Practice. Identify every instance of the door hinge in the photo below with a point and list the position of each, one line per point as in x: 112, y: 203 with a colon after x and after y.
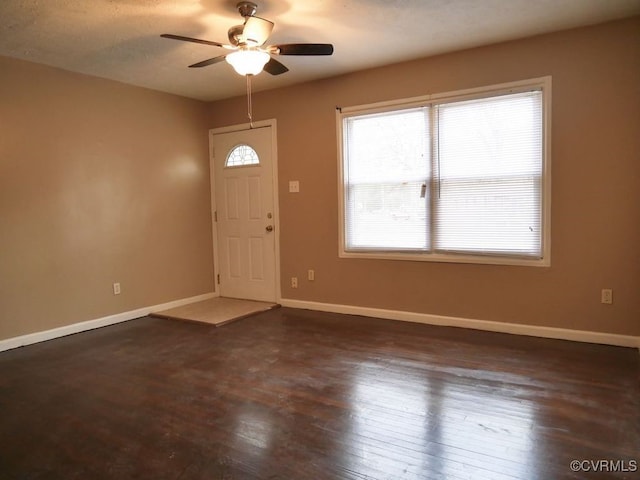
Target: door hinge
x: 218, y: 278
x: 215, y: 216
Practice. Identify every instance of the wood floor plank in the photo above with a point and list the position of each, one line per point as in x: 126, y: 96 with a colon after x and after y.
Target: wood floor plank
x: 293, y: 394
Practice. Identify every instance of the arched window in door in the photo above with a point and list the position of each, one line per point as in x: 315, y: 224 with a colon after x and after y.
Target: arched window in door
x: 241, y: 156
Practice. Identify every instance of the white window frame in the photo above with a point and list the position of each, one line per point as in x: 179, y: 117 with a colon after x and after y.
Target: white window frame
x: 543, y: 84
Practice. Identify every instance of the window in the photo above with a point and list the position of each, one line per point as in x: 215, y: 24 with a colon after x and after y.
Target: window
x: 458, y: 177
x: 241, y: 156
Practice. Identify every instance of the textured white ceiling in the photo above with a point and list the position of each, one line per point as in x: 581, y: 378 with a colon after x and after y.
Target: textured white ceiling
x: 120, y: 39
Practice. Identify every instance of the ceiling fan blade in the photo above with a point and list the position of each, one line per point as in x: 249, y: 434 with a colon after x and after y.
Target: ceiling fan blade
x: 305, y: 49
x: 208, y: 62
x: 257, y: 30
x: 189, y: 39
x: 274, y: 67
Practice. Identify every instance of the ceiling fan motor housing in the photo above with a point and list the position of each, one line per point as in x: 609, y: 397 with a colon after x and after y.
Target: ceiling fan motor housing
x: 235, y: 35
x: 246, y: 10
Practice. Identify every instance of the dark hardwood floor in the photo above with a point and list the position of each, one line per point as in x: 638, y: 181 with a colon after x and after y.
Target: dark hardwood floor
x: 293, y: 394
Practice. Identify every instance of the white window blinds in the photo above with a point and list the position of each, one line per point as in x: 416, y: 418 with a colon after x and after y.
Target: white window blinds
x: 387, y: 165
x: 490, y: 175
x: 457, y: 177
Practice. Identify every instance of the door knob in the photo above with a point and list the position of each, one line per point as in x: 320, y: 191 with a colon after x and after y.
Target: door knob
x: 269, y: 228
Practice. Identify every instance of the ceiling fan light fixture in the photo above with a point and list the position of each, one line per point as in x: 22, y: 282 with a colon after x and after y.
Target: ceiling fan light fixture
x: 248, y: 62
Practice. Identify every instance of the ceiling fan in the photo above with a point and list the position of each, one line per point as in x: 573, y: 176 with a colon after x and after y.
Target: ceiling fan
x: 249, y: 54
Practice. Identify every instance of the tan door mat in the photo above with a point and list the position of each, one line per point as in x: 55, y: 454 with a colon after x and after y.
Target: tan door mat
x: 217, y: 311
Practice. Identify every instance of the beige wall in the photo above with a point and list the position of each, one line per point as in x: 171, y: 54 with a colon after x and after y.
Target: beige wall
x: 103, y: 182
x: 595, y: 182
x: 99, y: 182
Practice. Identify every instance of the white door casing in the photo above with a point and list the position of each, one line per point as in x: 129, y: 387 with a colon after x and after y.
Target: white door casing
x: 244, y: 203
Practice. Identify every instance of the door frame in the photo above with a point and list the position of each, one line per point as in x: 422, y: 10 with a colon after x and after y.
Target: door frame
x: 271, y: 123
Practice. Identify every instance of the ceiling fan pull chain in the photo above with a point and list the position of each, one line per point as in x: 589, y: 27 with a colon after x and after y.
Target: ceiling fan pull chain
x: 249, y: 106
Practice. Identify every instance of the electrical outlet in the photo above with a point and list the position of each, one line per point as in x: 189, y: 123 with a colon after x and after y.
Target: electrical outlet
x: 294, y: 186
x: 294, y: 282
x: 116, y: 288
x: 606, y: 296
x: 311, y: 275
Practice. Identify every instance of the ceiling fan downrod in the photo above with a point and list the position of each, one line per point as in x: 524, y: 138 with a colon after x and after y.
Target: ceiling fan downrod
x: 247, y: 9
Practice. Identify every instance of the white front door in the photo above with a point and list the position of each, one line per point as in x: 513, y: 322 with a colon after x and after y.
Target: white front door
x: 244, y: 202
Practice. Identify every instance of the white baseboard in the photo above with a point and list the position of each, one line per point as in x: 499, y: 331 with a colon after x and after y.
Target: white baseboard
x: 488, y: 325
x: 36, y: 337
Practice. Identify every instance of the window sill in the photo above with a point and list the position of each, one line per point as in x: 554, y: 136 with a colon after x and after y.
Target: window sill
x: 447, y: 258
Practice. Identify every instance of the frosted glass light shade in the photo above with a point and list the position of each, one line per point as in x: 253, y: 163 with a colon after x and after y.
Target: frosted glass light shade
x: 248, y: 62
